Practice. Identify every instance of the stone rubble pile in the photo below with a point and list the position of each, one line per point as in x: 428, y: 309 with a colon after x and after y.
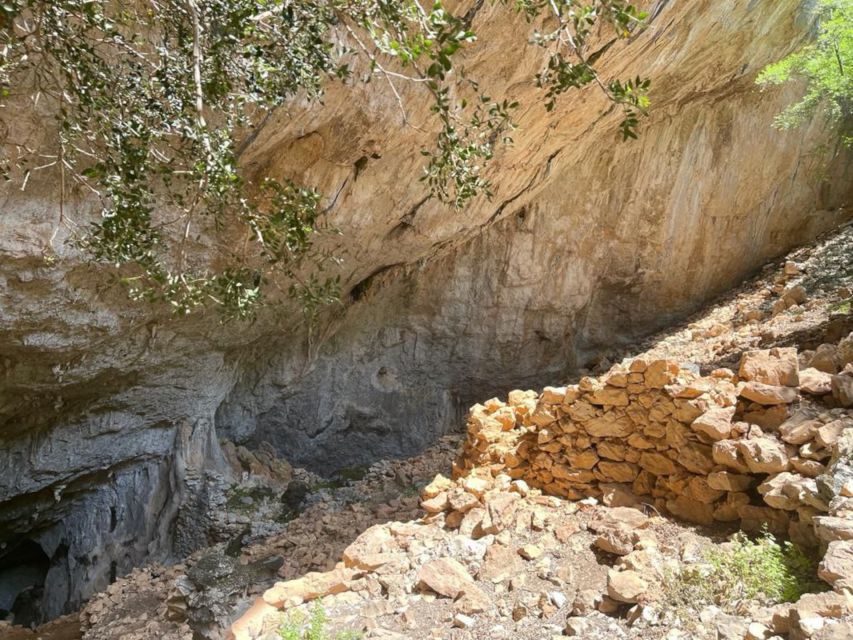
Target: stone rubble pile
x: 763, y: 447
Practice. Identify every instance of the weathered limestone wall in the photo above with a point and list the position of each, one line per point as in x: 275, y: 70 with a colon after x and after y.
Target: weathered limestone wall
x: 587, y: 244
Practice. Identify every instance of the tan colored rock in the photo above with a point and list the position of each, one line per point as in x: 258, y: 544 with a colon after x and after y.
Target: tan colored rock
x: 309, y: 587
x: 716, y: 423
x: 727, y: 510
x: 764, y: 455
x: 617, y: 471
x: 543, y: 416
x: 554, y: 395
x: 500, y: 563
x: 700, y: 490
x: 727, y: 453
x: 769, y: 418
x: 657, y: 464
x: 506, y: 417
x: 826, y: 359
x: 445, y: 576
x: 638, y: 365
x: 799, y: 429
x: 826, y: 605
x: 696, y: 457
x: 814, y: 382
x: 691, y: 510
x: 842, y: 388
x: 583, y: 459
x: 618, y: 495
x: 581, y: 410
x: 362, y: 552
x: 609, y: 396
x: 626, y: 586
x: 828, y: 434
x: 437, y: 504
x: 611, y: 450
x: 439, y: 484
x: 831, y: 528
x: 618, y: 377
x: 476, y: 486
x: 638, y: 441
x: 254, y: 623
x: 808, y: 468
x: 619, y: 518
x: 579, y: 476
x: 776, y: 493
x: 473, y: 600
x: 778, y: 367
x: 610, y: 425
x: 462, y: 501
x: 727, y: 481
x: 618, y: 541
x: 530, y: 551
x: 766, y: 394
x: 837, y: 563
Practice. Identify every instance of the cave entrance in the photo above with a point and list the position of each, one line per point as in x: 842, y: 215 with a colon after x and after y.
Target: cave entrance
x: 23, y: 569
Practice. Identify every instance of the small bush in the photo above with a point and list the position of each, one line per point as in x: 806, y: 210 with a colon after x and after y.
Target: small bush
x: 744, y: 570
x: 301, y: 627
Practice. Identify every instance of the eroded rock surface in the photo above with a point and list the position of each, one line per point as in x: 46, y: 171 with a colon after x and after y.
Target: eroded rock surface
x: 109, y: 414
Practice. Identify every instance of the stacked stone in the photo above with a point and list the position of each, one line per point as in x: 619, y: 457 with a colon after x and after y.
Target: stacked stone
x: 725, y: 447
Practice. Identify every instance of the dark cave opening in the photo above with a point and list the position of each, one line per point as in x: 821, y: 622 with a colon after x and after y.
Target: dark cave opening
x: 23, y: 569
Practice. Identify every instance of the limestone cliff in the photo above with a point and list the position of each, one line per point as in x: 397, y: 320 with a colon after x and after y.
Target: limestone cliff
x: 109, y: 413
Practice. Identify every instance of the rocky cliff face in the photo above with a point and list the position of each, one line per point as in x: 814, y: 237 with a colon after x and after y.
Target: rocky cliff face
x: 109, y: 414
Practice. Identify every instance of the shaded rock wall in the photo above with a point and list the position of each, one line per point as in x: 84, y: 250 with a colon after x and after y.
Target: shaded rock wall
x: 586, y: 244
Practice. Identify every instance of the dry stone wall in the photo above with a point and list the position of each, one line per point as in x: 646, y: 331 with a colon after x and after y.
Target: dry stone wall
x: 750, y: 447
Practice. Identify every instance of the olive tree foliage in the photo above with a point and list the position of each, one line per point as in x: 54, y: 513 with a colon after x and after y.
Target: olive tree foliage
x: 154, y: 101
x: 826, y: 67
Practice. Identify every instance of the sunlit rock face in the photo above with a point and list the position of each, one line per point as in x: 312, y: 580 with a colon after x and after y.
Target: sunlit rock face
x: 110, y: 412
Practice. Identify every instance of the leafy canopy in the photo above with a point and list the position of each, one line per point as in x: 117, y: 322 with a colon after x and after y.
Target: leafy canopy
x: 155, y: 101
x: 826, y: 66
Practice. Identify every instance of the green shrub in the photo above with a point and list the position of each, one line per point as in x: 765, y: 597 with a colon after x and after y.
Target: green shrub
x: 825, y: 66
x: 300, y: 627
x: 745, y: 570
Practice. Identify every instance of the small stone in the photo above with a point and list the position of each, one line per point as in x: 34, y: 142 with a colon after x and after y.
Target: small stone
x: 828, y: 435
x: 766, y: 394
x: 586, y: 602
x: 473, y: 600
x: 777, y: 366
x: 716, y: 423
x: 626, y: 586
x: 438, y: 485
x: 557, y: 598
x: 619, y: 542
x: 814, y: 382
x: 799, y: 429
x: 462, y: 621
x: 726, y: 481
x: 837, y: 563
x: 437, y: 504
x: 757, y: 631
x: 445, y: 576
x: 764, y: 455
x: 730, y: 627
x: 530, y: 551
x: 842, y: 389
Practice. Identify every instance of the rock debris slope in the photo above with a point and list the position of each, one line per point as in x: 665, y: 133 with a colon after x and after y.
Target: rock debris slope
x: 500, y: 553
x: 110, y: 416
x: 552, y: 525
